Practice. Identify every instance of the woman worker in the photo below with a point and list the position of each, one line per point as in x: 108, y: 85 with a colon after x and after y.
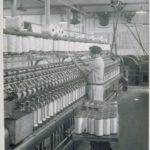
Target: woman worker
x: 94, y: 73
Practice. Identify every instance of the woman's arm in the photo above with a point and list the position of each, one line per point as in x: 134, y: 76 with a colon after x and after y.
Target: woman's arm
x: 82, y: 69
x: 83, y: 62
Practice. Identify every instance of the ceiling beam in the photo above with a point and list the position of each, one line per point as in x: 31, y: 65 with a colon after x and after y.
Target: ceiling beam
x: 64, y: 3
x: 61, y: 9
x: 106, y: 4
x: 82, y: 6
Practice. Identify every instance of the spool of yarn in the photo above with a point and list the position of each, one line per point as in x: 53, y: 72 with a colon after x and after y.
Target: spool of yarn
x: 19, y: 45
x: 5, y: 48
x: 62, y: 42
x: 105, y: 46
x: 85, y: 123
x: 85, y: 47
x: 105, y: 40
x: 35, y: 118
x: 11, y: 43
x: 78, y: 123
x: 15, y: 23
x: 62, y: 45
x: 61, y: 32
x: 72, y: 34
x: 113, y: 125
x: 82, y: 36
x: 25, y: 44
x: 78, y: 46
x: 75, y: 46
x: 101, y: 38
x: 77, y: 36
x: 65, y: 34
x: 68, y: 59
x: 31, y: 43
x: 37, y: 44
x: 40, y: 44
x: 66, y: 45
x: 52, y: 30
x: 98, y: 125
x: 46, y: 45
x: 71, y: 46
x: 56, y: 30
x: 59, y: 45
x: 44, y: 29
x: 106, y: 125
x: 82, y: 46
x: 50, y: 44
x: 55, y: 45
x: 91, y: 119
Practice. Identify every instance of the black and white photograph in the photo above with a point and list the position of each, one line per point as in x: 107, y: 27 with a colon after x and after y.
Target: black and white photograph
x: 75, y: 74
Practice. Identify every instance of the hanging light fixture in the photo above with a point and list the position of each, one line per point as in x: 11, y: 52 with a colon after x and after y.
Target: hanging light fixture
x: 75, y: 17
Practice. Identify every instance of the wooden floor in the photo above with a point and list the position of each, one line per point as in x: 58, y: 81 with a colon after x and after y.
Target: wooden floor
x: 133, y: 115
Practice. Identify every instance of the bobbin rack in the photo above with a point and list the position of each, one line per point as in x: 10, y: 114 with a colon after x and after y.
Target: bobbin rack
x: 43, y: 93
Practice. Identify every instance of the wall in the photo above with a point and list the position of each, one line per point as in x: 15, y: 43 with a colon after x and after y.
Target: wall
x: 125, y: 41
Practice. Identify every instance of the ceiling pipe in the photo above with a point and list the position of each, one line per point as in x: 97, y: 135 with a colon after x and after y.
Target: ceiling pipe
x: 72, y: 7
x: 107, y: 4
x: 13, y: 8
x: 87, y: 9
x: 63, y: 3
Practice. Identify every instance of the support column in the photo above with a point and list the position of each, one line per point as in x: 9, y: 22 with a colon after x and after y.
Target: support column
x: 83, y: 24
x: 68, y: 20
x: 47, y: 12
x: 13, y: 8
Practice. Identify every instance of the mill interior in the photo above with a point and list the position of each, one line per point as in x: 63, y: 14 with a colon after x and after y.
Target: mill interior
x: 50, y: 101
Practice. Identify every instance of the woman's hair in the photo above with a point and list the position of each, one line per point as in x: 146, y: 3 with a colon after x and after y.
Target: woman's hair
x: 95, y: 50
